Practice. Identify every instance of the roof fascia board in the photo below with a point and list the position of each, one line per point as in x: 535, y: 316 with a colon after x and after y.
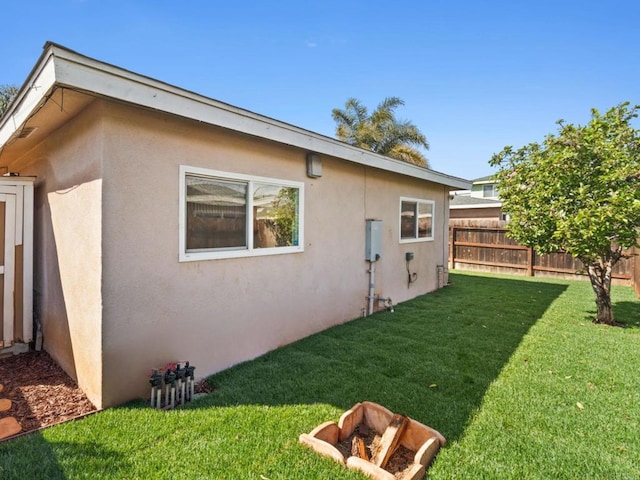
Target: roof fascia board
x: 476, y: 205
x: 485, y: 182
x: 29, y: 98
x: 79, y: 72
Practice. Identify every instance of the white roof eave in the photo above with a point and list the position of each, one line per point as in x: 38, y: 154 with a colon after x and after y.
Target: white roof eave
x: 476, y: 205
x: 59, y: 66
x: 29, y: 98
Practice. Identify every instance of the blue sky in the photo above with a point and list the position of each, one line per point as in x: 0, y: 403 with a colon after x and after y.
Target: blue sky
x: 475, y: 75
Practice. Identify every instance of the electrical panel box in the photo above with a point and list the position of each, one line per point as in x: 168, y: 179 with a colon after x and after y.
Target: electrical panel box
x: 373, y: 243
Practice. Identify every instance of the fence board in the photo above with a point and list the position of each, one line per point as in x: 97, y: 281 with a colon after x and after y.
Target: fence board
x: 487, y: 247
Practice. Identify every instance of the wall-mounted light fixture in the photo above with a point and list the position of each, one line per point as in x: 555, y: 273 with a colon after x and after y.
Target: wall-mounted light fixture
x: 314, y: 165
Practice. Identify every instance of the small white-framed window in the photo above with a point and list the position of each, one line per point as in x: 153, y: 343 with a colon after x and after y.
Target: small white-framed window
x: 416, y: 220
x: 228, y: 215
x: 489, y: 190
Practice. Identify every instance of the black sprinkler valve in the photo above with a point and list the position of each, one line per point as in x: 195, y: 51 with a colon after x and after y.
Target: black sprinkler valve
x: 156, y: 378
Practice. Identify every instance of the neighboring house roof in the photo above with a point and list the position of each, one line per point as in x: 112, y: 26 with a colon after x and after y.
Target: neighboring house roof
x: 466, y: 201
x: 31, y: 116
x: 484, y: 180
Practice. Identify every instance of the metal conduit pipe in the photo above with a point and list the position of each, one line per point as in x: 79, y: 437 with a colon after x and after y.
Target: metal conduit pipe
x: 372, y: 282
x: 388, y: 303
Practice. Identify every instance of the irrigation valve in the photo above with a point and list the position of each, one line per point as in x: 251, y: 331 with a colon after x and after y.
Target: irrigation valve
x: 181, y: 373
x: 156, y: 387
x: 170, y: 387
x: 190, y: 381
x: 178, y: 382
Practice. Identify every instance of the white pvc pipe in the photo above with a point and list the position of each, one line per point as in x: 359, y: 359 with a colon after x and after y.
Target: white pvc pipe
x: 372, y: 276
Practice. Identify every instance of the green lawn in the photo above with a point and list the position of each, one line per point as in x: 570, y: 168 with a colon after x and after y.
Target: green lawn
x: 509, y: 369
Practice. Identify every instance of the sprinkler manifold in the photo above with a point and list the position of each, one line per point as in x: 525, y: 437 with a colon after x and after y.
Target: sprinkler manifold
x: 178, y: 382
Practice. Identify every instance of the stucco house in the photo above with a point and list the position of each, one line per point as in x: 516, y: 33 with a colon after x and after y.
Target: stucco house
x: 169, y: 226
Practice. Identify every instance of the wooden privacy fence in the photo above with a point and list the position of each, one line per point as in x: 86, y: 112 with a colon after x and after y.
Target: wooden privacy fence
x: 489, y: 249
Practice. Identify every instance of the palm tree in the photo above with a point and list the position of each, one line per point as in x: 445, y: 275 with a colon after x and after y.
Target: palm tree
x: 380, y: 132
x: 7, y: 92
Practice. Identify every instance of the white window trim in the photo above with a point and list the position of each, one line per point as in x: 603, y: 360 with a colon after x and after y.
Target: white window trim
x: 185, y: 256
x: 433, y: 223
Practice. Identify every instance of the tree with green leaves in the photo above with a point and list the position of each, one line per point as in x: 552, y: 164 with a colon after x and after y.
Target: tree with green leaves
x: 381, y: 131
x: 579, y: 192
x: 285, y: 217
x: 7, y: 92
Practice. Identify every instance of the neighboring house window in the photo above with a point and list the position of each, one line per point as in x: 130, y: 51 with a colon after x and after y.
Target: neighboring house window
x: 489, y: 191
x: 226, y: 215
x: 416, y: 220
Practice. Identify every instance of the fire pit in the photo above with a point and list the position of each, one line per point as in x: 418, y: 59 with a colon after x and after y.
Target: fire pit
x: 370, y: 438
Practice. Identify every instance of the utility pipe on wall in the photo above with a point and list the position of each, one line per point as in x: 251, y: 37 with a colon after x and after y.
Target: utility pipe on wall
x: 372, y: 282
x: 372, y: 298
x: 388, y: 303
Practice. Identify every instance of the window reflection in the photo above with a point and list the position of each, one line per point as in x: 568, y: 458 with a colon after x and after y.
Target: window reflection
x: 216, y: 213
x: 275, y: 216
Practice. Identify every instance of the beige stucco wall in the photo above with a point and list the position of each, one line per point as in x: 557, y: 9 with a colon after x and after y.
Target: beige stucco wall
x: 217, y: 313
x: 116, y: 302
x: 67, y: 245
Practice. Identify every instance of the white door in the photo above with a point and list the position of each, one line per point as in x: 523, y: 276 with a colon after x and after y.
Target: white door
x: 7, y: 267
x: 16, y: 262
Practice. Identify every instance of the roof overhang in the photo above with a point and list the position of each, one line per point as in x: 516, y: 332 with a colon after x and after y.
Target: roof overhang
x: 476, y: 205
x: 485, y: 180
x: 66, y: 81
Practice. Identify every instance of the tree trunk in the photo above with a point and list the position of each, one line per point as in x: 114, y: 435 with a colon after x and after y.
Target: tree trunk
x: 600, y: 276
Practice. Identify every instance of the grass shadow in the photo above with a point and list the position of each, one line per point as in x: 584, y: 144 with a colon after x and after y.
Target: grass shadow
x: 41, y: 458
x: 627, y: 313
x: 433, y: 359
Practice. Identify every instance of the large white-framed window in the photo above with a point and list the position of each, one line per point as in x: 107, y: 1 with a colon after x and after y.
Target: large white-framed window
x: 228, y: 215
x: 416, y: 220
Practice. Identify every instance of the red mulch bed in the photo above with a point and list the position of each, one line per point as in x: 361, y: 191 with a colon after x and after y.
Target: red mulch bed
x: 42, y: 394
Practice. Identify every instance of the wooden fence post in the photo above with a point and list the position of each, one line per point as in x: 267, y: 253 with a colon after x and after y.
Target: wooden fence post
x: 452, y: 248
